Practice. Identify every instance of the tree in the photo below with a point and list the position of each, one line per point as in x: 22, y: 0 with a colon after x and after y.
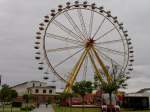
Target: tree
x: 7, y: 94
x: 13, y: 95
x: 27, y: 98
x: 82, y: 88
x: 4, y: 94
x: 116, y: 83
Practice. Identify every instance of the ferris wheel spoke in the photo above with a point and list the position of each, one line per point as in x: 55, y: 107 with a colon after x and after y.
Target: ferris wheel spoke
x: 112, y: 51
x: 82, y: 22
x: 67, y: 30
x: 63, y: 48
x: 74, y: 25
x: 107, y: 58
x: 91, y: 24
x: 99, y: 27
x: 66, y: 59
x: 111, y: 42
x: 65, y: 39
x: 109, y: 31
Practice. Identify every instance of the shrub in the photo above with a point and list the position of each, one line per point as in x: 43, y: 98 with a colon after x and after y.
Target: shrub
x: 27, y: 108
x: 16, y: 104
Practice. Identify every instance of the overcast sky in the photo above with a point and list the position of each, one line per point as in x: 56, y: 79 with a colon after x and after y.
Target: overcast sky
x: 19, y: 21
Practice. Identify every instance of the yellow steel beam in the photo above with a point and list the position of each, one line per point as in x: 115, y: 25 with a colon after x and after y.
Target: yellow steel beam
x: 75, y: 71
x: 108, y: 76
x: 95, y: 67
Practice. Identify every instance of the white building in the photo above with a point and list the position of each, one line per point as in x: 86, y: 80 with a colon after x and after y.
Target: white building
x: 34, y: 87
x: 41, y: 91
x: 141, y: 93
x: 145, y: 92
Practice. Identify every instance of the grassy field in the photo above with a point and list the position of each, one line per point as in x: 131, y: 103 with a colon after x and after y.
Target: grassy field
x: 8, y: 109
x: 67, y: 109
x: 135, y: 111
x: 13, y: 110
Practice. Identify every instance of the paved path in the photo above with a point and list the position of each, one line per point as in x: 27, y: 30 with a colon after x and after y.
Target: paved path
x: 42, y: 108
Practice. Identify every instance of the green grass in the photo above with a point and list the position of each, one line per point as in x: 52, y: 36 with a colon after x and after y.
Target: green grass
x: 68, y: 109
x: 8, y: 109
x: 135, y: 111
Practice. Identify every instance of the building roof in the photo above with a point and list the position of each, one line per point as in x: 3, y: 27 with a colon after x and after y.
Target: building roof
x: 26, y: 83
x: 136, y: 95
x: 143, y: 90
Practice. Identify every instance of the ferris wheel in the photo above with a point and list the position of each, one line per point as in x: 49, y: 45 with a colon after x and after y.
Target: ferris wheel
x: 79, y: 40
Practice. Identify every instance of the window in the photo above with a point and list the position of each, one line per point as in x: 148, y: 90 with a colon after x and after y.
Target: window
x: 44, y: 91
x: 36, y: 91
x: 50, y: 91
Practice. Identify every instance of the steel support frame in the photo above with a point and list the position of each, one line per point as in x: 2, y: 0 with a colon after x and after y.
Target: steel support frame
x: 77, y: 67
x: 106, y: 73
x: 75, y: 71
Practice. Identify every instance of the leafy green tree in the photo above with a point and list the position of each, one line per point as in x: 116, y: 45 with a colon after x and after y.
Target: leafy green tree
x: 7, y: 95
x: 13, y: 95
x: 82, y: 88
x: 115, y: 84
x: 4, y: 94
x: 27, y: 98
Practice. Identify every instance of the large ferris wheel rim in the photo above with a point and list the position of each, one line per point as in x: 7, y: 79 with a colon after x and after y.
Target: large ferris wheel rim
x: 72, y: 7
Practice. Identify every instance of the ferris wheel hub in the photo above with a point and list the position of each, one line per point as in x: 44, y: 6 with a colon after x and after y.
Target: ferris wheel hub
x: 89, y: 42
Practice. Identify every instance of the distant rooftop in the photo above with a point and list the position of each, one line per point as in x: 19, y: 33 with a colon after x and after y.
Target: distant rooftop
x: 143, y: 90
x: 32, y: 81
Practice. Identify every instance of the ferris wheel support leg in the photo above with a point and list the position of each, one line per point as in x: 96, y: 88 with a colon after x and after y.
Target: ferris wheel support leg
x: 108, y: 76
x: 75, y: 71
x: 95, y: 67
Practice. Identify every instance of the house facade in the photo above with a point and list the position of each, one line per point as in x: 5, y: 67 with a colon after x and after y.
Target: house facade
x: 40, y: 91
x: 42, y: 94
x: 23, y: 87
